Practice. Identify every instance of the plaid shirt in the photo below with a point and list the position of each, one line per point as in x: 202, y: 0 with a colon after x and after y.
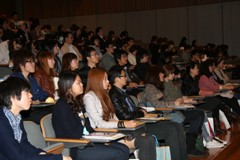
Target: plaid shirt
x: 15, y: 123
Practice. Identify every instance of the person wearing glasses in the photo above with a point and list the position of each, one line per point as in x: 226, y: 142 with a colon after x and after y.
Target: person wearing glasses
x: 92, y: 59
x: 24, y: 67
x: 172, y: 133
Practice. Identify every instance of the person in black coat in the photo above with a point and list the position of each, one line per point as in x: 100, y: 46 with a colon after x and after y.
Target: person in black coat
x: 70, y: 120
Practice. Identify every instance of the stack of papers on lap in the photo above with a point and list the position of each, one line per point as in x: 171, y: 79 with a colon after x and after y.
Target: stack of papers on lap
x: 103, y: 136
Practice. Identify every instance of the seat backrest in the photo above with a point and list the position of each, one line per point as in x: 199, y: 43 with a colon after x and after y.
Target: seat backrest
x: 46, y: 126
x: 139, y: 96
x: 135, y: 100
x: 4, y: 71
x: 34, y: 134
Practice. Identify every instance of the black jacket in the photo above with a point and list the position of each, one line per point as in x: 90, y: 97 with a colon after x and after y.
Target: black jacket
x: 122, y: 109
x: 65, y: 123
x: 190, y: 86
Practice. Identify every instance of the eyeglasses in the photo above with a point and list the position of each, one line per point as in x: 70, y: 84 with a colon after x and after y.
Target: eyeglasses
x: 94, y: 55
x: 30, y: 61
x: 122, y: 76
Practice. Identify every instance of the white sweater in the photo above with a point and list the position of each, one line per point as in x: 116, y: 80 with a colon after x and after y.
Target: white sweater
x: 94, y: 110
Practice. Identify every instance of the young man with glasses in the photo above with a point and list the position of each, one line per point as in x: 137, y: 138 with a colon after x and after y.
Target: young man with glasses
x: 126, y: 109
x: 108, y: 60
x: 92, y: 61
x: 24, y: 67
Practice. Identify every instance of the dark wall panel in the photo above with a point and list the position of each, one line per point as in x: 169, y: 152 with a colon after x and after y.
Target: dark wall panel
x: 7, y: 7
x: 69, y: 8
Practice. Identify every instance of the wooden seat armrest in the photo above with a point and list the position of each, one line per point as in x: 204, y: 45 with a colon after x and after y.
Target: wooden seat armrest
x: 67, y: 140
x: 56, y: 150
x: 163, y: 109
x: 114, y: 130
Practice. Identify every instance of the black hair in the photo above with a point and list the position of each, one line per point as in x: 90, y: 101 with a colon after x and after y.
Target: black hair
x: 11, y: 88
x: 66, y: 80
x: 108, y: 43
x: 93, y: 38
x: 152, y: 77
x: 134, y: 48
x: 140, y: 54
x: 118, y: 54
x: 124, y: 33
x: 194, y: 52
x: 49, y: 45
x: 219, y: 60
x: 20, y: 57
x: 190, y: 66
x: 114, y: 72
x: 204, y: 67
x: 89, y: 33
x: 154, y: 38
x: 65, y: 35
x: 129, y: 39
x: 88, y: 50
x: 19, y: 41
x: 97, y: 30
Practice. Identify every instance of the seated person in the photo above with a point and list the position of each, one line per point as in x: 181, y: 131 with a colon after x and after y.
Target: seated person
x: 7, y: 49
x: 190, y: 88
x: 153, y: 95
x: 24, y: 67
x: 210, y: 86
x: 45, y: 72
x: 219, y: 75
x: 142, y: 67
x: 70, y: 120
x: 108, y: 60
x: 15, y: 97
x: 126, y: 109
x: 92, y: 61
x: 102, y: 114
x: 121, y: 59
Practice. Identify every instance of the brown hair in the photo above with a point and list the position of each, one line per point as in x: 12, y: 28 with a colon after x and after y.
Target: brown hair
x: 95, y: 84
x: 66, y: 61
x: 43, y: 62
x: 152, y: 77
x: 168, y: 69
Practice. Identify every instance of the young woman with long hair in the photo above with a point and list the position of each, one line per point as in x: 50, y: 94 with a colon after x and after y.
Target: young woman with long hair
x: 155, y: 96
x: 102, y: 113
x: 208, y: 84
x: 45, y: 72
x: 70, y: 120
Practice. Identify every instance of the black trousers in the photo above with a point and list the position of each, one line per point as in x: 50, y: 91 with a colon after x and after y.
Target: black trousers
x: 232, y: 103
x: 174, y: 136
x: 195, y: 118
x: 211, y: 104
x: 114, y: 151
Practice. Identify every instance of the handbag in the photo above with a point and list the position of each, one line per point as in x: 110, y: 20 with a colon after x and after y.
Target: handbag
x: 162, y: 152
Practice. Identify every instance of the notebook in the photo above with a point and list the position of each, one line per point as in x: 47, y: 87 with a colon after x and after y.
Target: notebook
x: 103, y: 136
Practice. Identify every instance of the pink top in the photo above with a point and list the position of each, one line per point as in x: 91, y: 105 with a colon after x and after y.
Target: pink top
x: 208, y: 84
